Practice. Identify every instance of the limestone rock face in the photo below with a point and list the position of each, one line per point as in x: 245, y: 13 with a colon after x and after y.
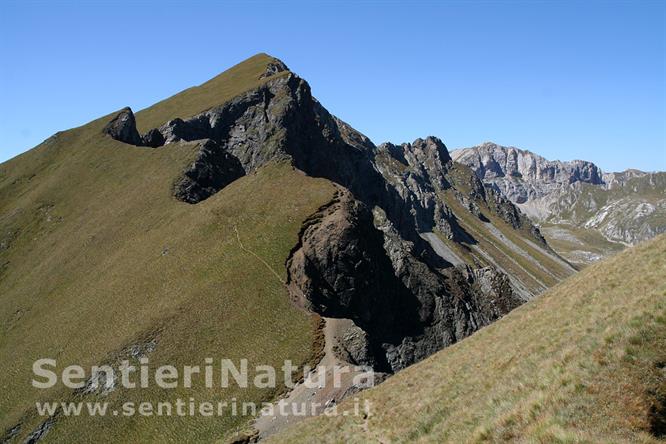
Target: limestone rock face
x: 521, y: 175
x: 419, y: 172
x: 626, y: 208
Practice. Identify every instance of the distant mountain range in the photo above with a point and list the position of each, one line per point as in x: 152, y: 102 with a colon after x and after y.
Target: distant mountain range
x: 585, y: 213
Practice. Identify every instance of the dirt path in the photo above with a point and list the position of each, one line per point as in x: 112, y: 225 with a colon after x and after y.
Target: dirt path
x: 322, y: 388
x: 320, y: 392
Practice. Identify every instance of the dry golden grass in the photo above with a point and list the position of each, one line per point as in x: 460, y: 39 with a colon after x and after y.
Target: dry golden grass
x: 582, y: 363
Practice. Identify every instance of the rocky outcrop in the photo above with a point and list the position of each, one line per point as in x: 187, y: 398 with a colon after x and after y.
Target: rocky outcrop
x: 416, y: 172
x: 623, y: 178
x: 496, y: 288
x: 274, y: 67
x: 341, y: 270
x: 421, y: 171
x: 213, y: 169
x: 450, y: 306
x: 123, y: 128
x: 354, y: 347
x: 352, y: 264
x: 512, y: 215
x: 281, y: 120
x: 153, y: 138
x: 628, y: 219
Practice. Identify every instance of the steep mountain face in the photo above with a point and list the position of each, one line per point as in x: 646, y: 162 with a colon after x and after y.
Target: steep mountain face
x: 586, y: 213
x: 248, y: 187
x: 523, y: 176
x: 373, y: 254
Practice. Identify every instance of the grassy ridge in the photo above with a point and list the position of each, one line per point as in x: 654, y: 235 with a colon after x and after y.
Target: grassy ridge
x: 582, y: 363
x: 218, y: 90
x: 97, y: 256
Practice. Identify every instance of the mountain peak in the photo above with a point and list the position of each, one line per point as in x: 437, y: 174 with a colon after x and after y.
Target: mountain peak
x: 240, y: 78
x: 271, y: 65
x: 492, y: 146
x: 274, y: 66
x: 244, y: 179
x: 490, y: 160
x: 430, y: 146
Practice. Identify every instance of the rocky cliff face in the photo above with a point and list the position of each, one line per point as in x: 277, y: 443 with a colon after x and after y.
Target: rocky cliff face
x: 352, y: 264
x: 372, y: 254
x: 624, y: 208
x: 523, y: 176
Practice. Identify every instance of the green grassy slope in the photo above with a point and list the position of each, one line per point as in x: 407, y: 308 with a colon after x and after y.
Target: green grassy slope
x: 97, y: 256
x: 582, y: 363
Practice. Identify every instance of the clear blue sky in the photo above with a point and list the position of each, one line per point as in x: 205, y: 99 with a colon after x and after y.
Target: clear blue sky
x: 566, y: 79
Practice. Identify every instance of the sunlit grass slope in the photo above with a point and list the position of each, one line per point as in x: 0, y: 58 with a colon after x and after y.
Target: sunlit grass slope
x: 97, y: 256
x: 582, y: 363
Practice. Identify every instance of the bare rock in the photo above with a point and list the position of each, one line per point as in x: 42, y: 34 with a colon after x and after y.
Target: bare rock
x: 153, y: 138
x: 274, y: 67
x: 212, y: 170
x: 626, y: 207
x: 123, y: 128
